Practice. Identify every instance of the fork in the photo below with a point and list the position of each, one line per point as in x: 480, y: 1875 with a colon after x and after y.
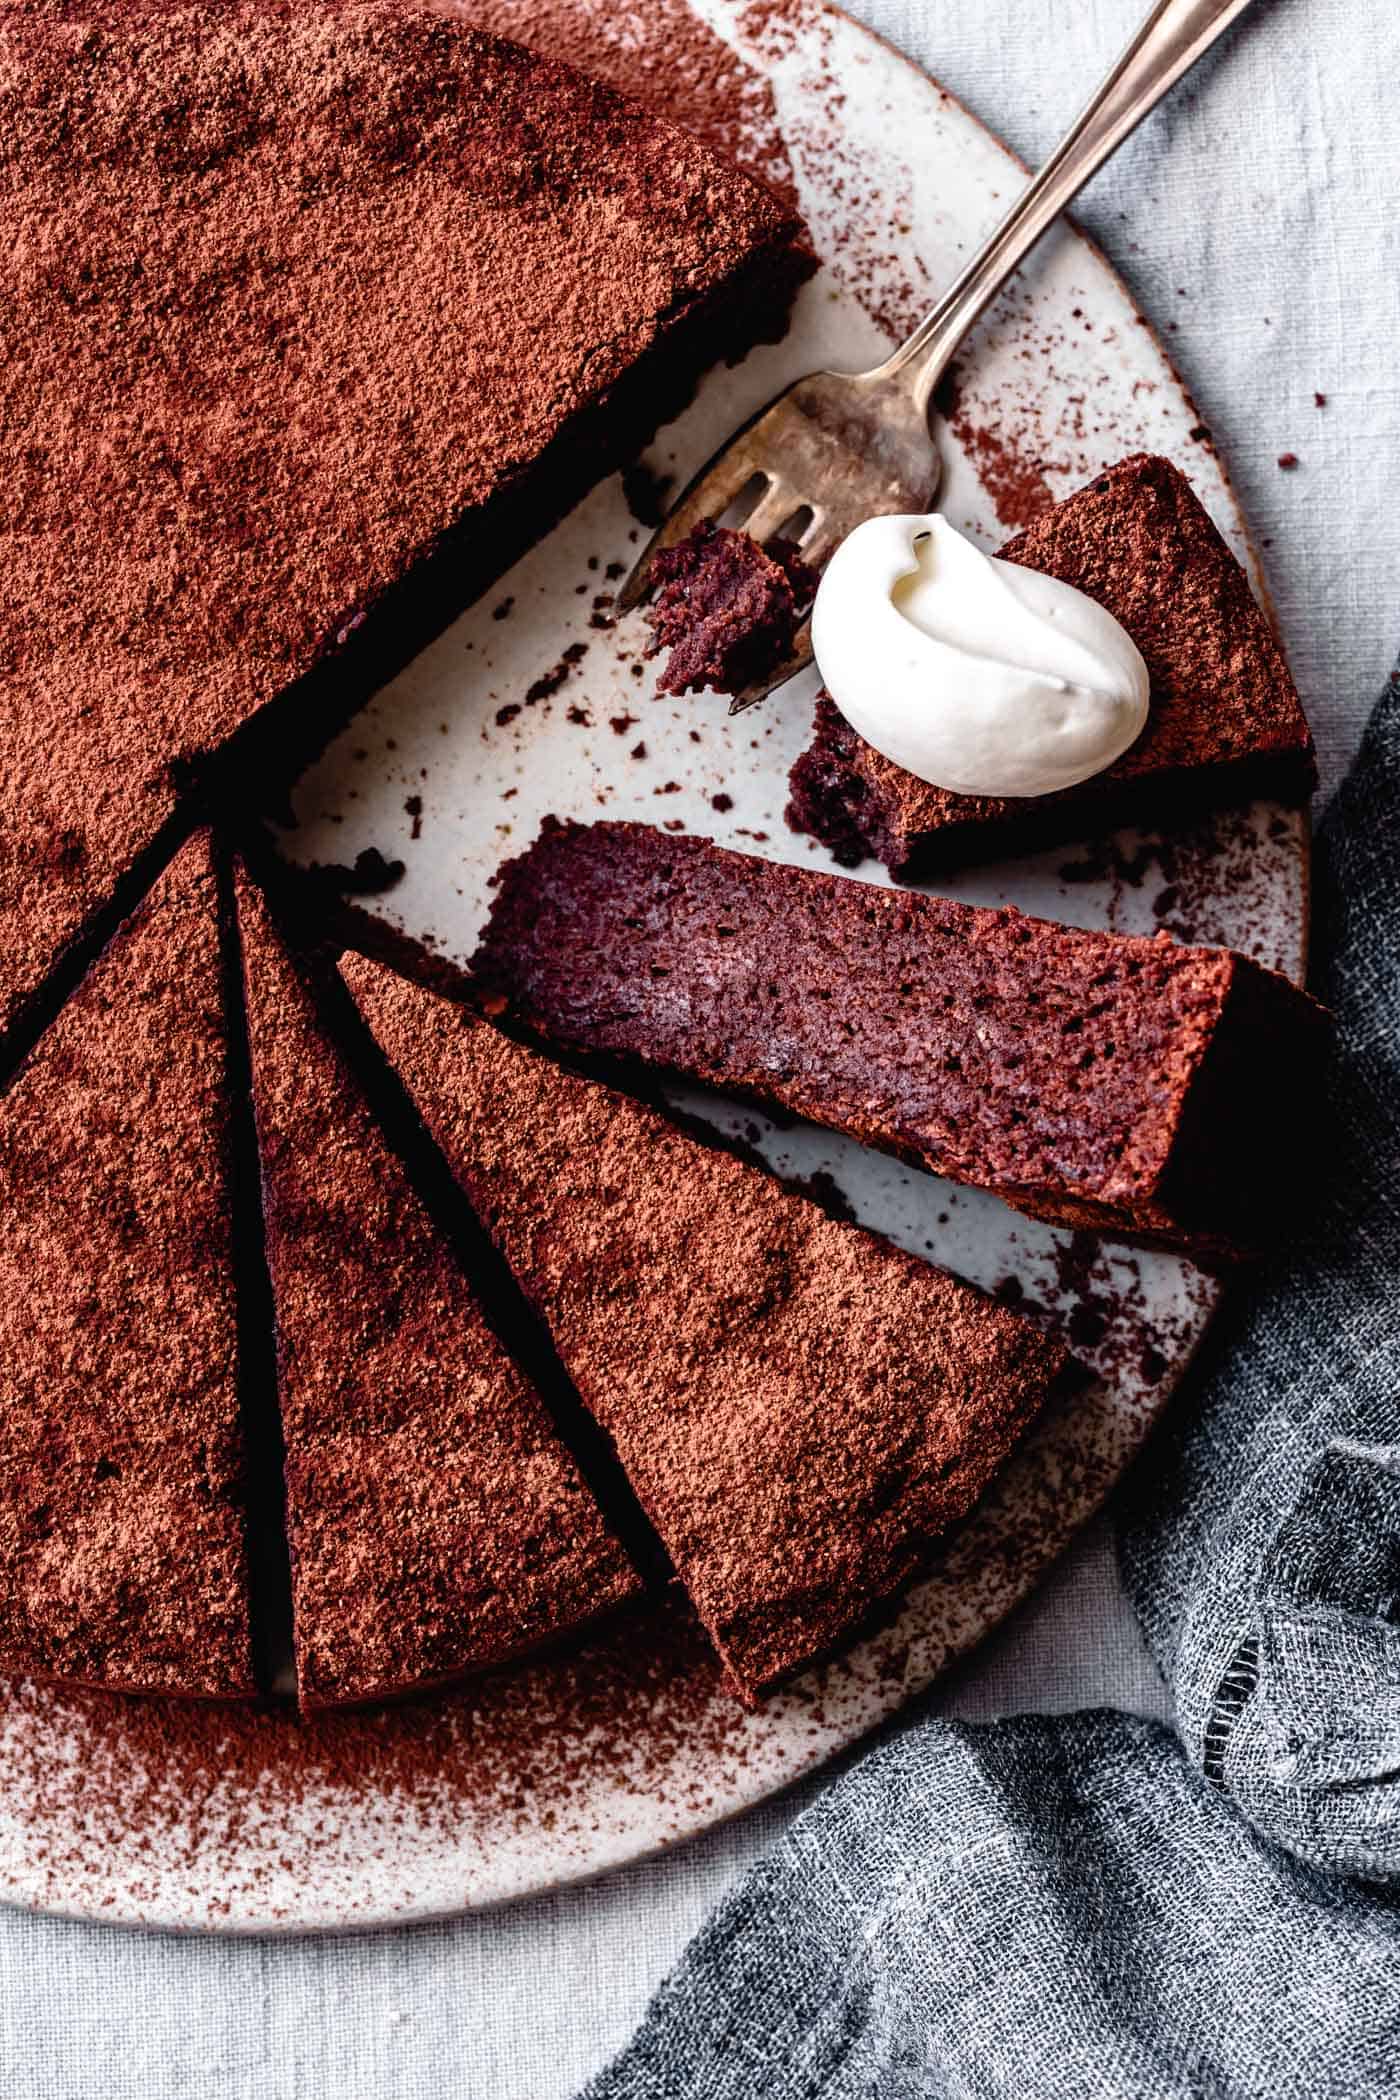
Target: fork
x: 838, y: 447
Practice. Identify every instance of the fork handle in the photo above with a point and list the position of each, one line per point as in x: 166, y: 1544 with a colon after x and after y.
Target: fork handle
x: 1173, y: 37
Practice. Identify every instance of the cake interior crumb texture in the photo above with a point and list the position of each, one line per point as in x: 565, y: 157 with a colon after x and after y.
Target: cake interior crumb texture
x: 122, y: 1526
x: 316, y: 316
x: 726, y: 610
x: 801, y: 1408
x: 437, y: 1524
x: 1225, y: 724
x: 1092, y: 1079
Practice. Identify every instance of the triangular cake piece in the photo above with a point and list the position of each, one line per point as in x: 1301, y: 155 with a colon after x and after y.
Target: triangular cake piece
x: 122, y: 1531
x: 1092, y: 1079
x: 437, y: 1524
x: 800, y: 1407
x: 320, y: 314
x: 1225, y: 725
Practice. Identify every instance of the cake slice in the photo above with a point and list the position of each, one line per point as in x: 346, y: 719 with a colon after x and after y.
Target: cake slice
x: 1131, y: 1086
x: 437, y: 1524
x: 1225, y: 723
x: 122, y: 1530
x: 318, y: 316
x: 801, y: 1408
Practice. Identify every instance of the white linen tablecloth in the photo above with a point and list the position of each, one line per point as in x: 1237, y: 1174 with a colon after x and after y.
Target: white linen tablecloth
x: 1256, y: 214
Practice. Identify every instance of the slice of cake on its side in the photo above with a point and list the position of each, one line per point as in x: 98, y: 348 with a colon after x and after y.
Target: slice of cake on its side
x: 122, y: 1530
x: 319, y: 316
x: 1225, y: 723
x: 1126, y: 1085
x: 437, y: 1525
x: 800, y: 1407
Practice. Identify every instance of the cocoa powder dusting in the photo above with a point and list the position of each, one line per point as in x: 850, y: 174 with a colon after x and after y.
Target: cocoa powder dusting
x: 674, y: 63
x: 232, y: 1794
x: 327, y: 203
x: 712, y: 1318
x: 643, y: 1699
x: 1016, y: 484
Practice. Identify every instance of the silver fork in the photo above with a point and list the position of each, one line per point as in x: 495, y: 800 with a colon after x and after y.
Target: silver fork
x: 844, y: 446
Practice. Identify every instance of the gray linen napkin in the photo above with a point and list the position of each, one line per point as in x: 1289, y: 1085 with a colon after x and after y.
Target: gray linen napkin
x: 1090, y: 1905
x: 1261, y: 1546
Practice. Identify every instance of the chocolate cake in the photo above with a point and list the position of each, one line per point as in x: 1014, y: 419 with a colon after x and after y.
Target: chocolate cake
x: 122, y: 1532
x: 1225, y: 722
x: 437, y: 1525
x: 1131, y: 1086
x: 725, y: 608
x: 319, y: 315
x: 800, y: 1407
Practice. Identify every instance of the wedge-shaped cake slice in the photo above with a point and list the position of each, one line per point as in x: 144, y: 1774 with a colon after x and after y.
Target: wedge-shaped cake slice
x: 1225, y: 725
x: 1088, y: 1078
x: 315, y: 316
x: 122, y: 1529
x: 801, y: 1408
x: 437, y: 1524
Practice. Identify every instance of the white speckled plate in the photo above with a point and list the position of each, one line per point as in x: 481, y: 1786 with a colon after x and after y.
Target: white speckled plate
x: 194, y: 1817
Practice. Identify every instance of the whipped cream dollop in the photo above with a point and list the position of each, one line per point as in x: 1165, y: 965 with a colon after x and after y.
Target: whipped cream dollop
x: 978, y: 676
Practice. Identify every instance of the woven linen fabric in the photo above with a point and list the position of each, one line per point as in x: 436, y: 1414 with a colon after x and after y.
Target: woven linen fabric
x: 1089, y: 1905
x: 1262, y: 1547
x: 1035, y: 1907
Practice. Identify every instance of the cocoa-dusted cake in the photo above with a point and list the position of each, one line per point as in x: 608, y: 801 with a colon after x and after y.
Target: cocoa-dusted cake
x: 1225, y: 723
x: 319, y: 314
x: 800, y: 1407
x: 122, y: 1530
x: 436, y: 1522
x: 1121, y: 1084
x: 725, y: 608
